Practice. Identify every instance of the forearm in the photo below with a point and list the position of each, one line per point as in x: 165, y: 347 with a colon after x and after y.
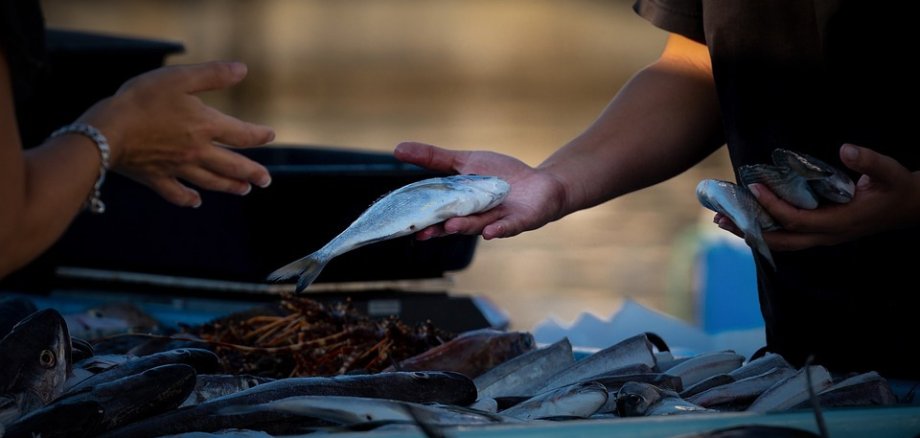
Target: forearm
x: 663, y: 121
x: 45, y: 189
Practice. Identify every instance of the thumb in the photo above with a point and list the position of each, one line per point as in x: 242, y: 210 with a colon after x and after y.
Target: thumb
x: 873, y: 166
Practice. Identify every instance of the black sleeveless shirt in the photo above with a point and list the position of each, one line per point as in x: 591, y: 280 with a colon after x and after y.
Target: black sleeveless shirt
x: 22, y: 37
x: 810, y: 75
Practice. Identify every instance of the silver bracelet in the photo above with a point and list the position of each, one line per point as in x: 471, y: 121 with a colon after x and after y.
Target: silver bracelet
x: 94, y: 203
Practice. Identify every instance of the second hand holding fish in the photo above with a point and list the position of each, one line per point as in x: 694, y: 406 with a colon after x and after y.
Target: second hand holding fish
x: 402, y: 212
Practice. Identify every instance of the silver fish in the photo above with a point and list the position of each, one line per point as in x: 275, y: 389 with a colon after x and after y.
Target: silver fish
x: 522, y: 374
x: 630, y: 351
x: 739, y: 205
x: 356, y: 410
x: 759, y: 366
x: 706, y: 365
x: 400, y: 213
x: 576, y: 400
x: 36, y: 361
x: 739, y: 394
x: 866, y: 389
x: 827, y: 181
x: 783, y: 181
x: 210, y: 386
x: 792, y: 390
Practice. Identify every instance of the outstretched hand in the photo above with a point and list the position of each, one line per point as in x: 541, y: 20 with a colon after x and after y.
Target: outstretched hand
x: 536, y: 198
x: 887, y: 197
x: 162, y: 134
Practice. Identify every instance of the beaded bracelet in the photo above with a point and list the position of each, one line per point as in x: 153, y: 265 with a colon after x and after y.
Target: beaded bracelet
x: 94, y: 203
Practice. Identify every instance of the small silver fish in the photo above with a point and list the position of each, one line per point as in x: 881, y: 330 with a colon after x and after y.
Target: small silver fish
x: 783, y: 181
x: 739, y: 205
x: 792, y: 390
x: 402, y: 212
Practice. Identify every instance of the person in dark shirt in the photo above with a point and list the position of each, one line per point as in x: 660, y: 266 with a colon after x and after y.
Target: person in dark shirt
x: 815, y: 76
x: 154, y: 130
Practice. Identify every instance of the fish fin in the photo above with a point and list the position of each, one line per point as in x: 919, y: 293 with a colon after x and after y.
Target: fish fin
x: 754, y: 239
x: 308, y: 268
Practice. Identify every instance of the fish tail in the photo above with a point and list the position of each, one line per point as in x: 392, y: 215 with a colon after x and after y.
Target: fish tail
x: 308, y: 268
x: 754, y: 239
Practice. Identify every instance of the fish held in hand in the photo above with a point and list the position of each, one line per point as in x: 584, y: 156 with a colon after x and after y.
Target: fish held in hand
x: 739, y: 205
x: 402, y: 212
x: 800, y: 179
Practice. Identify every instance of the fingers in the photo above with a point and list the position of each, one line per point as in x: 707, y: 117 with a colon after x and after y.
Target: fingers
x: 231, y: 165
x: 234, y: 132
x: 430, y: 157
x: 212, y: 181
x: 874, y: 167
x: 175, y: 192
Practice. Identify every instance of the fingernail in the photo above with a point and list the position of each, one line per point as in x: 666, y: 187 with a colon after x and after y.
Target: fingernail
x: 246, y: 190
x: 755, y: 190
x: 238, y: 69
x: 850, y: 152
x: 196, y: 204
x: 265, y: 182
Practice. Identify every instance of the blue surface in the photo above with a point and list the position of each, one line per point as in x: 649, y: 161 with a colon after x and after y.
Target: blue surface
x: 728, y: 287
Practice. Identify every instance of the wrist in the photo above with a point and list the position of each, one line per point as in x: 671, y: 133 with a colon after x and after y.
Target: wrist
x: 94, y: 201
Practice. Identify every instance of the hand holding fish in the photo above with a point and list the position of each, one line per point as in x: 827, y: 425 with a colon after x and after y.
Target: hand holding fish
x: 887, y: 197
x: 536, y: 197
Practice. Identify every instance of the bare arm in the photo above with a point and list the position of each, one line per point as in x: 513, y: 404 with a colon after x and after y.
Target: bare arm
x: 663, y: 121
x: 159, y: 133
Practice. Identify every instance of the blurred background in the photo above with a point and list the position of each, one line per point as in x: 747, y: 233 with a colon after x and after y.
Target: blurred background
x: 520, y: 77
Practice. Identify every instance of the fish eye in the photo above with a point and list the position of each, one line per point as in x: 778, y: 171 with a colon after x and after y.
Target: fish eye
x: 47, y: 359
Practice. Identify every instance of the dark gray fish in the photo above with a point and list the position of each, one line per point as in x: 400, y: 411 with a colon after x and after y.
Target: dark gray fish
x: 707, y: 384
x: 576, y: 400
x: 211, y: 386
x: 661, y: 380
x: 402, y: 212
x: 705, y: 365
x: 738, y: 395
x: 471, y: 353
x: 203, y: 361
x: 759, y: 366
x: 129, y: 398
x: 110, y: 319
x: 635, y: 399
x: 827, y: 181
x: 13, y: 310
x: 739, y: 205
x: 36, y: 361
x: 418, y: 387
x: 866, y: 389
x: 81, y: 349
x: 630, y: 351
x: 521, y: 375
x: 789, y: 392
x: 783, y: 181
x: 60, y: 420
x: 346, y: 410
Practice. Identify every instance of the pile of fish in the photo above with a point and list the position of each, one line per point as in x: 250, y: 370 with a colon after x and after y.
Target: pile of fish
x: 797, y: 178
x: 54, y: 385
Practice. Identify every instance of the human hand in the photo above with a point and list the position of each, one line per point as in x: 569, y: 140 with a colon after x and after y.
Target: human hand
x: 536, y: 198
x: 887, y: 197
x: 160, y: 132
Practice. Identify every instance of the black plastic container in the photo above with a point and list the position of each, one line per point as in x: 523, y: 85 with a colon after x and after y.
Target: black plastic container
x: 315, y: 194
